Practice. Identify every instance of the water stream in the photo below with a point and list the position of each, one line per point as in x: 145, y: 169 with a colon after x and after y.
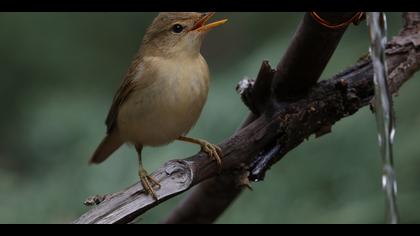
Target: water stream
x: 383, y: 111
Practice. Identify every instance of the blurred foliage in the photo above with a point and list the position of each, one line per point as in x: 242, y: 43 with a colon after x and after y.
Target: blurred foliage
x: 59, y: 72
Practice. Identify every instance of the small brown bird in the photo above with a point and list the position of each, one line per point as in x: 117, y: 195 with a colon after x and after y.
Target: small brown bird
x: 164, y: 91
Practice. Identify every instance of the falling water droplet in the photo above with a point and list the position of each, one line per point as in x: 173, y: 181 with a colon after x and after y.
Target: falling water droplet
x: 383, y: 111
x: 392, y: 135
x: 384, y: 181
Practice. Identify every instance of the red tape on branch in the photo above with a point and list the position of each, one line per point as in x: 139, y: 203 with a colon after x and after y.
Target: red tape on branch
x: 354, y: 19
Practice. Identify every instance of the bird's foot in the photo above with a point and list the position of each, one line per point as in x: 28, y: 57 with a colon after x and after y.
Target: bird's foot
x: 212, y: 150
x: 148, y: 183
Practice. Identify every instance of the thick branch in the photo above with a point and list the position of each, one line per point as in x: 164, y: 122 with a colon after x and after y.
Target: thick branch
x: 290, y: 82
x: 408, y: 36
x: 288, y: 125
x: 311, y: 48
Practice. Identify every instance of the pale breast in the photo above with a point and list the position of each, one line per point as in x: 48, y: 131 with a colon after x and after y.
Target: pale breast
x: 168, y: 107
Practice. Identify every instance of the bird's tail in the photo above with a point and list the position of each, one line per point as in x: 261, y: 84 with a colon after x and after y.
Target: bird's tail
x: 108, y: 145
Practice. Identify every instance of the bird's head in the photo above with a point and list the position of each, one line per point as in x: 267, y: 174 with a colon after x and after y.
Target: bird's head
x: 177, y: 33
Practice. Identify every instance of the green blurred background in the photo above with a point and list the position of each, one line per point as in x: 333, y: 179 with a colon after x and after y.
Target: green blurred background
x: 59, y: 72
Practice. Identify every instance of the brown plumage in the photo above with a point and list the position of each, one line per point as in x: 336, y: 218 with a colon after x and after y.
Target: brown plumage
x: 164, y: 90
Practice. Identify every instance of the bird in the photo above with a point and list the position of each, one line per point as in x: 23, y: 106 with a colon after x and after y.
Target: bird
x: 163, y: 92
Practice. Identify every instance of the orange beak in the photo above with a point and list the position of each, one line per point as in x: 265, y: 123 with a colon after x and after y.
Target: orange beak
x: 202, y: 26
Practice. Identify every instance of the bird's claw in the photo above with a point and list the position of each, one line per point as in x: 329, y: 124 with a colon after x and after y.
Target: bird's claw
x: 214, y: 151
x: 148, y: 183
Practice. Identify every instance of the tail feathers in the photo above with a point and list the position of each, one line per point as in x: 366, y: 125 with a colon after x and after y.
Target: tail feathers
x: 108, y: 145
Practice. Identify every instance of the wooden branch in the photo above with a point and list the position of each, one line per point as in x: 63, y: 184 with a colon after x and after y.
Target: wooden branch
x: 221, y: 199
x: 257, y: 98
x: 288, y: 125
x: 408, y: 36
x: 311, y: 48
x: 290, y: 82
x: 357, y: 93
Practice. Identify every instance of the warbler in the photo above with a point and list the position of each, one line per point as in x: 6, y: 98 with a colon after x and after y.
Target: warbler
x: 164, y: 91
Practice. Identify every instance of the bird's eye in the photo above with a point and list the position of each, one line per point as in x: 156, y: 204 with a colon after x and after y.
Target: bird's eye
x: 177, y: 28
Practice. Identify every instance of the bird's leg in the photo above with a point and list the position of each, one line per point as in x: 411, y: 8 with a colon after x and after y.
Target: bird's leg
x: 212, y: 150
x: 146, y: 180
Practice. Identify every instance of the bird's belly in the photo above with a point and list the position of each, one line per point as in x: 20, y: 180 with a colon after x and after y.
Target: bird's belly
x: 163, y: 112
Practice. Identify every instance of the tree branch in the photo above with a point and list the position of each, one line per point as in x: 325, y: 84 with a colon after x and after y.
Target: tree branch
x: 285, y: 126
x: 311, y: 48
x: 290, y: 82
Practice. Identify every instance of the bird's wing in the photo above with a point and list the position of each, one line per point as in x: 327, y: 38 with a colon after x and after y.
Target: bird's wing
x: 122, y: 94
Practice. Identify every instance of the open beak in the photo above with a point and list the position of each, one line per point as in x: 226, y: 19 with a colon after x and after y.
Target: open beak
x: 201, y: 25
